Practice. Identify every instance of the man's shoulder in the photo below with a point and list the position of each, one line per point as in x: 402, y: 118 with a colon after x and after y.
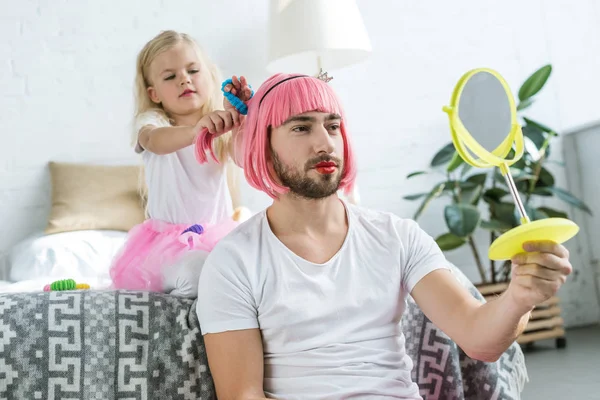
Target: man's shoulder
x: 243, y: 238
x: 380, y: 218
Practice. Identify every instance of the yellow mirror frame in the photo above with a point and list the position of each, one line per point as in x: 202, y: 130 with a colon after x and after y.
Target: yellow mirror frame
x: 510, y: 243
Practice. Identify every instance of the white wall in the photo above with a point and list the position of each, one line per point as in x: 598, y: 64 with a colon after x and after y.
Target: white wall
x: 66, y: 71
x: 582, y: 146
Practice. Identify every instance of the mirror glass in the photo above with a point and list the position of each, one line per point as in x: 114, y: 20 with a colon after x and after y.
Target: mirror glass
x: 484, y: 110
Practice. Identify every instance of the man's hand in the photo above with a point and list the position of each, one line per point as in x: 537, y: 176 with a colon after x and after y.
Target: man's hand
x: 538, y: 274
x: 239, y: 88
x: 485, y: 331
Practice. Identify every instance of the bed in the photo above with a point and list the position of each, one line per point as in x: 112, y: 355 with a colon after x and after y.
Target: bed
x: 81, y: 255
x: 92, y: 207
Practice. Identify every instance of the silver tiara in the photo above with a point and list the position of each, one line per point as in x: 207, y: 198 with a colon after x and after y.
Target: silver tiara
x: 323, y: 76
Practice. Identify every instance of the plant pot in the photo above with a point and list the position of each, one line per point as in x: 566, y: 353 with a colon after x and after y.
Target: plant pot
x: 545, y: 322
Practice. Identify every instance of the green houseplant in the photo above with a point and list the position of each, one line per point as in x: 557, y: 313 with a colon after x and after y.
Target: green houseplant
x: 481, y: 200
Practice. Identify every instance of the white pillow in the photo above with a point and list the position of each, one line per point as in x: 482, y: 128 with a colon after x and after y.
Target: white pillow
x: 78, y: 255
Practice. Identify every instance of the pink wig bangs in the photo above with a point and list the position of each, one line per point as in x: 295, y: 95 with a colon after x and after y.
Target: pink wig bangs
x: 292, y: 97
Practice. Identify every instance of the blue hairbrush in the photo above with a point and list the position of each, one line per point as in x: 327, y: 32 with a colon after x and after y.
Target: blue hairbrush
x: 234, y: 100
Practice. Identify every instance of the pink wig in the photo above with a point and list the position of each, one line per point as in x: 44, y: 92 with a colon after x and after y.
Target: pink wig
x: 280, y: 97
x: 283, y: 100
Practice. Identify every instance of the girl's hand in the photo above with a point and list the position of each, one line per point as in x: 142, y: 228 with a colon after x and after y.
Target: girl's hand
x: 239, y: 88
x: 218, y: 122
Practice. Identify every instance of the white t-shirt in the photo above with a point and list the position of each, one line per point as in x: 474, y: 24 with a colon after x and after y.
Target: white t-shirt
x: 330, y: 331
x: 180, y: 190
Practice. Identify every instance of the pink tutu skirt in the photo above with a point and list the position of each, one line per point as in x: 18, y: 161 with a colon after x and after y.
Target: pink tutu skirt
x: 154, y: 245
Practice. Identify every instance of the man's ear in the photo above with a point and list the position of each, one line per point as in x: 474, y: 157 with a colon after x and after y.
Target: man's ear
x: 153, y: 95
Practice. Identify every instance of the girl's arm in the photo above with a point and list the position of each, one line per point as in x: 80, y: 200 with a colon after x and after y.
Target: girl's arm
x: 166, y: 140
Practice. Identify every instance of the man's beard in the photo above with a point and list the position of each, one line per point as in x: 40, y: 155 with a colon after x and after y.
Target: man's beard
x: 303, y: 185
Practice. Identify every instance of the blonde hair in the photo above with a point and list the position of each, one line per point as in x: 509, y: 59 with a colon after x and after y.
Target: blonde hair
x: 162, y: 42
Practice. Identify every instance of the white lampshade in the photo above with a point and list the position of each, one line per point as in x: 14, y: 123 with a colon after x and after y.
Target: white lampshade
x: 306, y: 35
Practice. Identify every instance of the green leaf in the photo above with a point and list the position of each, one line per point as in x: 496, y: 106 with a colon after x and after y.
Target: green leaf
x: 522, y: 186
x: 519, y: 175
x: 465, y: 169
x: 494, y: 194
x: 531, y: 149
x: 540, y: 126
x: 435, y: 192
x: 465, y: 185
x: 540, y: 135
x: 535, y: 134
x: 414, y: 196
x: 546, y: 178
x: 473, y: 196
x: 520, y: 164
x: 552, y: 213
x: 478, y: 179
x: 462, y: 219
x: 521, y: 182
x: 472, y: 189
x: 525, y: 104
x: 449, y: 241
x: 569, y: 198
x: 533, y: 213
x: 495, y: 225
x: 415, y: 174
x: 535, y: 82
x: 456, y: 162
x: 504, y: 212
x: 499, y: 178
x: 443, y: 156
x: 542, y: 191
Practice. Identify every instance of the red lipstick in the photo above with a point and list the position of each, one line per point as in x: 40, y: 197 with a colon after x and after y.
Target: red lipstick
x: 326, y: 167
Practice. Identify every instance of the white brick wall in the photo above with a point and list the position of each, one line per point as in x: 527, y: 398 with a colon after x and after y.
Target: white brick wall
x: 66, y: 71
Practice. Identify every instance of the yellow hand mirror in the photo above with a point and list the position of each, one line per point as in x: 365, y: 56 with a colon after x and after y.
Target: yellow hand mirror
x: 484, y: 130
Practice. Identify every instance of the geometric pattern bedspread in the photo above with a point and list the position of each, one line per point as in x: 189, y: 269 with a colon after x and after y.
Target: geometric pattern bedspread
x: 140, y: 345
x: 443, y: 371
x: 101, y: 345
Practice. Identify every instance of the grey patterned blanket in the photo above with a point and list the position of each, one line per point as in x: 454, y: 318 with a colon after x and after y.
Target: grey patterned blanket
x: 443, y: 371
x: 101, y: 345
x: 140, y: 345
